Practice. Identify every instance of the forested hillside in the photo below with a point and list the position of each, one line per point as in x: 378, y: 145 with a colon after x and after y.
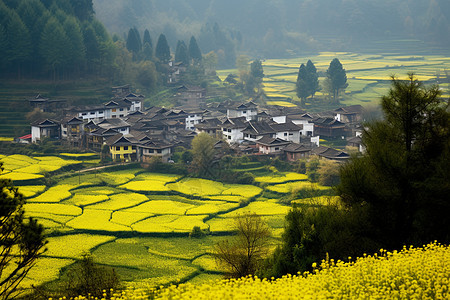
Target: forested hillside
x: 52, y: 39
x: 278, y: 28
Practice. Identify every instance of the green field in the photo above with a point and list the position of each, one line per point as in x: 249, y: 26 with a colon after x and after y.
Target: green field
x: 139, y: 222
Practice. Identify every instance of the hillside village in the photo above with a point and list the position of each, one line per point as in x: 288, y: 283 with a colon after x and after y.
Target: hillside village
x: 134, y: 133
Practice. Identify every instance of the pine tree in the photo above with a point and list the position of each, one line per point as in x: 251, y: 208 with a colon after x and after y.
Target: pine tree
x: 132, y: 42
x: 147, y: 39
x: 302, y: 87
x: 181, y: 53
x: 92, y: 47
x: 18, y: 42
x: 162, y: 51
x: 53, y: 46
x: 76, y: 49
x: 312, y: 79
x: 194, y: 51
x: 404, y: 173
x: 338, y: 78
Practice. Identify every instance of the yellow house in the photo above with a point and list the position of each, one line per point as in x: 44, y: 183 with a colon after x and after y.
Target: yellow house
x: 122, y: 148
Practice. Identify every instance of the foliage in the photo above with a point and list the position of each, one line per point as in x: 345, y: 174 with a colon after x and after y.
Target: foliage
x: 162, y: 51
x: 404, y: 174
x: 88, y: 278
x: 181, y: 53
x: 203, y: 155
x: 241, y: 256
x: 21, y: 241
x: 312, y: 233
x: 337, y: 78
x: 328, y: 172
x: 194, y: 51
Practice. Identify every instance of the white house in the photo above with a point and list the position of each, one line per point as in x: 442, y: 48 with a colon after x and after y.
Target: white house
x: 232, y: 129
x: 248, y: 110
x: 45, y: 128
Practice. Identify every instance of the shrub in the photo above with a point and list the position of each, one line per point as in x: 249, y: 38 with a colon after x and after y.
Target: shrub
x: 87, y: 277
x: 197, y: 232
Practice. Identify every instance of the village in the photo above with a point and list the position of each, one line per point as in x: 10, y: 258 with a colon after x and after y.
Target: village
x: 134, y: 133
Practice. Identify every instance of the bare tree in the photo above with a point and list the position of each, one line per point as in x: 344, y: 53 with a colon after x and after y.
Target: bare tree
x: 241, y: 256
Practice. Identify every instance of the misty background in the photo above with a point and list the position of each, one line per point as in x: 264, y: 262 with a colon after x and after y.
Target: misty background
x: 280, y: 28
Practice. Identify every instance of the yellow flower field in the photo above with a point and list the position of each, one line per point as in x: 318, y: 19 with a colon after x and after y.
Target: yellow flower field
x: 414, y: 273
x: 283, y: 177
x: 280, y: 103
x: 54, y: 194
x: 95, y: 219
x: 73, y: 246
x: 31, y: 190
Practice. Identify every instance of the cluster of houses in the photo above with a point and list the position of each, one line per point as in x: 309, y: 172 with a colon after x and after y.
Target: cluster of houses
x: 135, y: 133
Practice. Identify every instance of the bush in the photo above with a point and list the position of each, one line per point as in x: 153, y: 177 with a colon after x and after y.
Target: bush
x: 89, y: 278
x: 197, y: 232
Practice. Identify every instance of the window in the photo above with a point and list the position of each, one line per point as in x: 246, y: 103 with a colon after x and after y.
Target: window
x: 151, y: 151
x: 100, y: 112
x: 246, y: 135
x: 92, y: 113
x: 229, y: 130
x: 121, y: 109
x: 253, y: 136
x: 125, y: 148
x: 277, y: 148
x: 117, y: 148
x: 114, y: 116
x: 244, y: 112
x: 113, y: 110
x: 224, y: 129
x: 291, y: 134
x: 83, y: 114
x: 285, y: 134
x: 229, y: 137
x: 159, y: 150
x: 121, y: 116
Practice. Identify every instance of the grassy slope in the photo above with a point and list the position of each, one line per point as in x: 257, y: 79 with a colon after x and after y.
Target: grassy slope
x: 14, y: 97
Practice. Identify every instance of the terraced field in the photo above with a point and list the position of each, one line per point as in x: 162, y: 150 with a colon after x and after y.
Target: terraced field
x: 368, y: 74
x: 139, y: 222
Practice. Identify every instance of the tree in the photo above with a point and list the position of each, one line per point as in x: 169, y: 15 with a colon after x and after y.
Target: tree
x: 203, y: 155
x: 302, y: 87
x: 315, y: 233
x: 88, y: 278
x: 18, y: 41
x: 21, y: 241
x: 181, y: 53
x: 147, y: 75
x: 76, y: 49
x: 404, y: 174
x: 312, y: 79
x: 147, y: 39
x: 210, y: 61
x: 133, y: 42
x: 243, y: 255
x: 162, y: 51
x: 338, y: 78
x: 194, y: 51
x: 257, y: 72
x: 53, y: 46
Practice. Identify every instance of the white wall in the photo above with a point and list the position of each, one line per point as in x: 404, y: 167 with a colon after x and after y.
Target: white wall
x: 35, y: 134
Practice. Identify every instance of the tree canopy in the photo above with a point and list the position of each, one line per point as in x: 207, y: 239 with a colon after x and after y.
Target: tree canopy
x: 337, y: 78
x: 405, y: 173
x: 162, y: 51
x: 194, y: 50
